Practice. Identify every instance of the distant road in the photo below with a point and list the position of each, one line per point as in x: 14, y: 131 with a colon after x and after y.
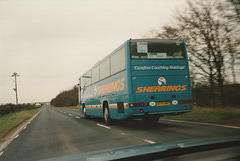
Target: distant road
x: 59, y: 132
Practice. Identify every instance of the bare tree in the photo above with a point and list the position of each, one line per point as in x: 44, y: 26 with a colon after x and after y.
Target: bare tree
x: 236, y: 8
x: 231, y: 30
x: 212, y: 47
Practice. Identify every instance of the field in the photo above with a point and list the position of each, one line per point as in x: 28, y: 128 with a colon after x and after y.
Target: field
x: 224, y: 116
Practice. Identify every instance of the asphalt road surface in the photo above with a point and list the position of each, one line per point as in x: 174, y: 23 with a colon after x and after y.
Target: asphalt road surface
x: 58, y: 132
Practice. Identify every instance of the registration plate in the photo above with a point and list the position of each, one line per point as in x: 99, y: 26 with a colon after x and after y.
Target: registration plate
x: 163, y: 103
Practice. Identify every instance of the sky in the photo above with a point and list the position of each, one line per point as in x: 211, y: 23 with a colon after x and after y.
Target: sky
x: 51, y: 43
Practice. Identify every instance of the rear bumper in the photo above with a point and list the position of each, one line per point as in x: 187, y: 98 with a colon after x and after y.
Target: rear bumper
x: 161, y: 111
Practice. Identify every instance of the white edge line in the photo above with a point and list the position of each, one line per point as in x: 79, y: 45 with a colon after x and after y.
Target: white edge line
x: 1, y: 153
x: 104, y: 126
x: 203, y: 123
x: 16, y: 134
x: 149, y: 141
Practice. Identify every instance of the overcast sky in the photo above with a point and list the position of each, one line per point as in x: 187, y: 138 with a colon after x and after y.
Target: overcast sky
x: 51, y: 43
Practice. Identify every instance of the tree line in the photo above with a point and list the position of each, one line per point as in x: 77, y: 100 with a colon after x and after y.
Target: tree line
x: 66, y: 98
x: 211, y: 31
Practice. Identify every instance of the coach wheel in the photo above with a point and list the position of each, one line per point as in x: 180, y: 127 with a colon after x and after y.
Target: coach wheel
x: 85, y: 113
x: 106, y: 114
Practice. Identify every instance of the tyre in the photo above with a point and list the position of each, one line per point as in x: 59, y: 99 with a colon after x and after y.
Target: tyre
x: 85, y: 113
x: 106, y: 115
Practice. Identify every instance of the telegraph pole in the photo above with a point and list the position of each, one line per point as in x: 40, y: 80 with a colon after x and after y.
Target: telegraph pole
x: 15, y: 75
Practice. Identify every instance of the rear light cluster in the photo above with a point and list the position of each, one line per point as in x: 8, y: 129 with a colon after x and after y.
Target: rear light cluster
x: 135, y: 111
x: 141, y: 104
x: 185, y: 107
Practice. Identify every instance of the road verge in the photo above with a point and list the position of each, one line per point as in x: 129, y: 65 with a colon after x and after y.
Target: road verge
x: 15, y: 128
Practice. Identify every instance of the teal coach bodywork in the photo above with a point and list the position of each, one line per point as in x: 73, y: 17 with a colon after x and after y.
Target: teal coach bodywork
x: 153, y: 83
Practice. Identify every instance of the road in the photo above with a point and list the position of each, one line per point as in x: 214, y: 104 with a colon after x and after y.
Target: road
x: 58, y: 132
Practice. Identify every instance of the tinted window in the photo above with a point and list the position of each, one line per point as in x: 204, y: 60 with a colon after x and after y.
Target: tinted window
x: 87, y: 78
x: 105, y: 69
x: 118, y: 61
x: 95, y: 74
x: 157, y: 50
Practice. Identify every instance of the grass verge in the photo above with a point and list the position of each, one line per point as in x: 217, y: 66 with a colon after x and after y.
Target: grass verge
x: 224, y: 116
x: 11, y: 120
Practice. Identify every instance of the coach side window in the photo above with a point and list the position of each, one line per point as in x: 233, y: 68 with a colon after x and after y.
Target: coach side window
x: 105, y: 69
x: 118, y: 61
x: 87, y: 78
x: 95, y: 74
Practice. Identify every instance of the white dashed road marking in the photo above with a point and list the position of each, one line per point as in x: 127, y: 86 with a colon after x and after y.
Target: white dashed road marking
x: 77, y: 117
x: 104, y: 126
x: 149, y: 141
